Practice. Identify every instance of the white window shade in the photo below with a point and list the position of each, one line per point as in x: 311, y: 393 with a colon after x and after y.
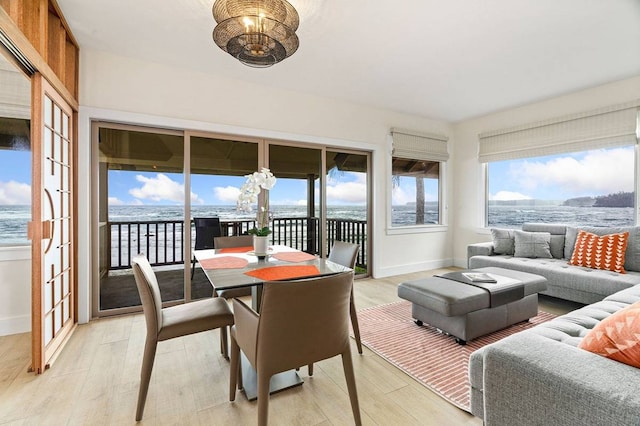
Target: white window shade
x: 603, y: 128
x: 419, y: 146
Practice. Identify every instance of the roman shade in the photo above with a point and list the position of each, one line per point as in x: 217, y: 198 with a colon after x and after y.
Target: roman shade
x: 603, y: 128
x: 419, y: 146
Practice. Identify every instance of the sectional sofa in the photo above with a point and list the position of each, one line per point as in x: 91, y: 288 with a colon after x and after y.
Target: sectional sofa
x: 541, y: 376
x: 576, y: 283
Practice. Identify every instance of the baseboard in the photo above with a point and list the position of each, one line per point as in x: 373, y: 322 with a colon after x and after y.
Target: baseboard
x: 15, y: 325
x: 414, y: 267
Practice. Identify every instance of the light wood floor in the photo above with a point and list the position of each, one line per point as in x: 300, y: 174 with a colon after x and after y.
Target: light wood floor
x: 95, y: 381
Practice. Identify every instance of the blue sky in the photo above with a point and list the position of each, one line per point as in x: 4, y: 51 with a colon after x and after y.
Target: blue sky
x: 557, y: 177
x: 136, y: 188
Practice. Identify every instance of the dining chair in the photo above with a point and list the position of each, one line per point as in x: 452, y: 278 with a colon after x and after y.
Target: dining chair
x: 230, y: 242
x: 345, y: 254
x: 168, y: 323
x: 207, y: 228
x: 300, y: 322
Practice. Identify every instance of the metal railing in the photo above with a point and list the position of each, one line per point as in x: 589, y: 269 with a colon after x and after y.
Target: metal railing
x: 161, y: 241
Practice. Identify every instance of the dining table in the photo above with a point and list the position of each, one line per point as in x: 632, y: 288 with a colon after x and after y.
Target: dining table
x: 236, y: 267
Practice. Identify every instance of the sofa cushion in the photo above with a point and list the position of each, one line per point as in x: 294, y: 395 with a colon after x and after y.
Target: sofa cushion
x: 532, y: 244
x: 617, y: 337
x: 556, y: 244
x: 605, y: 252
x: 503, y: 241
x: 632, y: 255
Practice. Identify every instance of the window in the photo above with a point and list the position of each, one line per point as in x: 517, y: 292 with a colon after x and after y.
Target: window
x: 15, y: 154
x: 416, y: 168
x: 415, y: 193
x: 578, y: 170
x: 593, y: 188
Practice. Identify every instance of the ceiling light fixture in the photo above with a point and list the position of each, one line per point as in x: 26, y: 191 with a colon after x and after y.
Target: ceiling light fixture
x: 259, y: 33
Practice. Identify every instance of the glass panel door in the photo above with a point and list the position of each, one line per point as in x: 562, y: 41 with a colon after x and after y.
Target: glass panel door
x: 347, y: 201
x: 218, y: 169
x: 141, y: 210
x: 295, y: 200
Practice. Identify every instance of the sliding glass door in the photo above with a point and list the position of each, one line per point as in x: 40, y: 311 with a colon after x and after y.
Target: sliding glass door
x: 141, y: 210
x: 153, y: 184
x: 218, y: 167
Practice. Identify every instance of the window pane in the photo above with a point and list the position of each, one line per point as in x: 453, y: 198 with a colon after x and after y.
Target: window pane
x: 415, y: 193
x: 15, y: 154
x: 593, y: 188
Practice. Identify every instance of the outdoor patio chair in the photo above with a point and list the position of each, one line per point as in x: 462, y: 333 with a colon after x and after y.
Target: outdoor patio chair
x: 207, y: 228
x: 168, y: 323
x: 300, y: 322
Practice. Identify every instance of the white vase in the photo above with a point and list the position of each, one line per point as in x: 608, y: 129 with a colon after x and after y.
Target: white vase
x: 260, y: 245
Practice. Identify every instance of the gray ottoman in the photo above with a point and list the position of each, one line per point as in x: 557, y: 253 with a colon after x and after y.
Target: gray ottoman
x: 463, y: 310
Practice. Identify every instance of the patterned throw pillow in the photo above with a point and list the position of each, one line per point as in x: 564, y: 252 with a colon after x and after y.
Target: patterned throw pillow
x: 605, y: 252
x: 617, y: 337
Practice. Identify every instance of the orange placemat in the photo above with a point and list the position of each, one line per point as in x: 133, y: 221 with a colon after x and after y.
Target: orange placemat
x: 224, y: 262
x: 235, y: 249
x: 273, y: 273
x: 294, y: 256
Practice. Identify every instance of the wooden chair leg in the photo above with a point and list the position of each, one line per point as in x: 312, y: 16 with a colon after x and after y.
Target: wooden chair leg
x: 310, y: 369
x: 347, y: 365
x: 145, y: 375
x: 354, y: 324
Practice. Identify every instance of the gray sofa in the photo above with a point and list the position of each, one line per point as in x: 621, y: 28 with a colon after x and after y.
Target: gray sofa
x: 540, y: 376
x: 576, y: 283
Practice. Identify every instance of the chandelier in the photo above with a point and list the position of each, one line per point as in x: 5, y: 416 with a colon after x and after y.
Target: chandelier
x: 259, y: 33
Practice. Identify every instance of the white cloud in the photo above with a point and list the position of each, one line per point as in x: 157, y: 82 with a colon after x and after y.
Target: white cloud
x: 508, y: 195
x: 349, y: 192
x: 301, y: 203
x: 598, y: 172
x: 400, y: 196
x: 161, y: 188
x: 115, y: 201
x: 15, y: 193
x: 227, y: 193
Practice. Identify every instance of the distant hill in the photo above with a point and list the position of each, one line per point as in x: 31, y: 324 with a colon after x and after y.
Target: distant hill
x: 619, y: 199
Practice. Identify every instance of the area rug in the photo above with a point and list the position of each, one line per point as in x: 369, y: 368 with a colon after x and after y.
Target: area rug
x: 433, y: 359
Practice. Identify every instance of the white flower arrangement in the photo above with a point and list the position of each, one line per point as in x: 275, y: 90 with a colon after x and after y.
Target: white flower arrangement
x: 255, y: 183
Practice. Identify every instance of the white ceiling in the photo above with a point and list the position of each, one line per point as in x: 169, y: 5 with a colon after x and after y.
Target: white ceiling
x: 447, y: 59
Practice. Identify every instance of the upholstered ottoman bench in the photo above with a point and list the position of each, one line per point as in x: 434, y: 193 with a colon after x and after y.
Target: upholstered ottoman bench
x: 468, y: 310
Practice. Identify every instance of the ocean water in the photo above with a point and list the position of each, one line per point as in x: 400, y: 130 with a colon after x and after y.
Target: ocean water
x: 515, y: 216
x: 13, y: 219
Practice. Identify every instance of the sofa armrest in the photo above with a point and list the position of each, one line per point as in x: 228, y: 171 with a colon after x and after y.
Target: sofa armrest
x: 479, y: 249
x: 529, y: 379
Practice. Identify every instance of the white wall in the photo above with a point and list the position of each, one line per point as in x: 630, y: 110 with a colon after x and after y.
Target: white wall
x: 122, y: 89
x: 15, y: 290
x: 468, y: 201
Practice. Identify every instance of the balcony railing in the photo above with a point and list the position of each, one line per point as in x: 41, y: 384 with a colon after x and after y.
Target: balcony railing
x: 161, y: 241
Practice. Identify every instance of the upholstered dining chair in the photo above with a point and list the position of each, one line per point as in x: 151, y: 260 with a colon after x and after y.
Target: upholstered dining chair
x: 300, y: 322
x: 207, y: 228
x: 231, y: 242
x: 171, y: 322
x: 345, y: 254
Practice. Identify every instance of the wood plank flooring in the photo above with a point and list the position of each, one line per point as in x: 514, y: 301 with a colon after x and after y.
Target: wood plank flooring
x: 95, y: 381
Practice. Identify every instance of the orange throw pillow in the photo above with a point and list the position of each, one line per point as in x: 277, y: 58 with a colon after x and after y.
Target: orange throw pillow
x: 617, y: 337
x: 605, y: 252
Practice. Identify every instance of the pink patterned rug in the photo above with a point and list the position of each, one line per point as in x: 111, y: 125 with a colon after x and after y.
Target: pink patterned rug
x: 433, y: 359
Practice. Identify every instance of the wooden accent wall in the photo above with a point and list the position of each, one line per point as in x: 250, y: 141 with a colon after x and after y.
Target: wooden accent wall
x: 44, y: 26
